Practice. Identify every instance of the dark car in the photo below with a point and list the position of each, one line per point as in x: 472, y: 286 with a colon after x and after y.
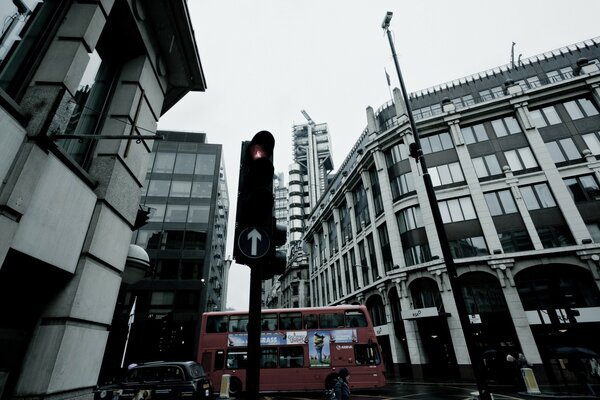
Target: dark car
x: 160, y: 380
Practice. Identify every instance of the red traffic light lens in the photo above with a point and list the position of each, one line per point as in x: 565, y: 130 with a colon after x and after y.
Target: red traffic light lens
x: 257, y: 151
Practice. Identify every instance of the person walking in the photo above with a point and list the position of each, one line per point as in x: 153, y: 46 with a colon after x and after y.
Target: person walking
x: 342, y: 387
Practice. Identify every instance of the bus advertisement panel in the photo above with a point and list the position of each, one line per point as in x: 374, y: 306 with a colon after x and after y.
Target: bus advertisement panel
x: 301, y: 349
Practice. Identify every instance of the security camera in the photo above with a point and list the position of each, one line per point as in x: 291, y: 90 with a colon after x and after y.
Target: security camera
x: 21, y: 7
x: 386, y: 20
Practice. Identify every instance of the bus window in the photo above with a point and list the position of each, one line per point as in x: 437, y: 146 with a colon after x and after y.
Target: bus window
x: 291, y: 357
x: 237, y: 359
x: 216, y: 323
x: 238, y: 323
x: 355, y: 319
x: 331, y: 321
x: 268, y: 358
x: 310, y: 321
x: 269, y: 322
x: 366, y: 354
x: 219, y: 359
x: 290, y: 321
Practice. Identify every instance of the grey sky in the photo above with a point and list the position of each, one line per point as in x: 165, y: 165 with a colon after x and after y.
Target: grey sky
x: 265, y: 60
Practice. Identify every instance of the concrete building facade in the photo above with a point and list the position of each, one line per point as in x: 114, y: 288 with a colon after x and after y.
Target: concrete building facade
x: 68, y: 203
x: 514, y: 156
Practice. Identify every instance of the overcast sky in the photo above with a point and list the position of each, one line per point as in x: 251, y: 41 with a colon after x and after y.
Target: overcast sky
x: 266, y: 60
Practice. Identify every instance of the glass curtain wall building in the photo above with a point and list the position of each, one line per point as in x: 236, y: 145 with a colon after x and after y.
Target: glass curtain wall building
x: 514, y: 156
x: 185, y: 238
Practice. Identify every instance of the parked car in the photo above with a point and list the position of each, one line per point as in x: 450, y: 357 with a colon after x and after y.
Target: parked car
x: 160, y: 380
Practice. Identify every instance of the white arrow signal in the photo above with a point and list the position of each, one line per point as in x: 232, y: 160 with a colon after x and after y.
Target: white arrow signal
x: 254, y: 236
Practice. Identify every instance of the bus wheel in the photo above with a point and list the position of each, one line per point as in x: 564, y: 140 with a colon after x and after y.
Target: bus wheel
x: 235, y: 386
x: 330, y: 381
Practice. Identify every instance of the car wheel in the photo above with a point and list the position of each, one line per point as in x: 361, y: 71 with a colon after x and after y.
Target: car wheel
x: 235, y: 387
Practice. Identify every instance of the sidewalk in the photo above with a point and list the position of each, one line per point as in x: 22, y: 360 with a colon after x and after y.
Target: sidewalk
x: 546, y: 391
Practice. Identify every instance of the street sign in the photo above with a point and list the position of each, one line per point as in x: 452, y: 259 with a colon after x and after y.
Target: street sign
x: 254, y: 242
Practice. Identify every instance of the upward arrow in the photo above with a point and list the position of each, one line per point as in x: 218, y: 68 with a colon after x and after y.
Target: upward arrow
x: 254, y: 236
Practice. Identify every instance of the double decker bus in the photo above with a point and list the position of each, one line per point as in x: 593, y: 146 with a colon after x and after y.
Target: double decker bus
x: 301, y: 348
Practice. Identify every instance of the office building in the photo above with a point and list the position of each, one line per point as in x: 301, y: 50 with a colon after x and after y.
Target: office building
x: 514, y: 157
x: 185, y: 238
x: 78, y: 116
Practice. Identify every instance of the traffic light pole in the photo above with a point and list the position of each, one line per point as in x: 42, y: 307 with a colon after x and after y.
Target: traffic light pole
x: 461, y: 308
x: 253, y: 365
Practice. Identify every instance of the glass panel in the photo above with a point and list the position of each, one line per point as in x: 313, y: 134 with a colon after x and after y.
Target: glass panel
x: 570, y: 149
x: 157, y: 213
x: 467, y: 208
x: 508, y: 203
x: 468, y: 135
x: 546, y: 199
x: 527, y: 157
x: 436, y: 143
x: 588, y: 107
x: 176, y: 213
x: 164, y: 162
x: 555, y: 153
x: 445, y: 212
x: 573, y: 110
x: 499, y: 128
x: 198, y: 214
x: 268, y: 322
x: 446, y: 140
x: 185, y: 163
x: 205, y: 164
x: 552, y: 115
x: 493, y: 204
x: 493, y: 165
x: 202, y: 190
x: 455, y: 211
x: 537, y: 119
x: 513, y: 125
x: 444, y: 173
x: 529, y: 198
x: 435, y: 178
x: 592, y: 142
x: 480, y: 132
x: 181, y: 188
x: 480, y: 168
x: 456, y: 172
x: 290, y: 321
x: 158, y: 187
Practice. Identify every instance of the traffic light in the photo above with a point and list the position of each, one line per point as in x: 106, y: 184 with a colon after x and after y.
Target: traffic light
x: 141, y: 218
x: 256, y: 233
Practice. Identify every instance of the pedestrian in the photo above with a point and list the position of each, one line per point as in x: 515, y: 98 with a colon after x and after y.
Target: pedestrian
x: 342, y: 387
x: 522, y: 361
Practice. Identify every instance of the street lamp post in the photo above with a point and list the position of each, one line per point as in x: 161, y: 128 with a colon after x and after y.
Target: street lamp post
x: 461, y: 308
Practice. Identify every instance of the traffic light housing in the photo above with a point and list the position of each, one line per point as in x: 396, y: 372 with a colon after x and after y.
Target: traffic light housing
x: 256, y: 233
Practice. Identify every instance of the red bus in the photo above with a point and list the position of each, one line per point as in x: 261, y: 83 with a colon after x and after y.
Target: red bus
x: 301, y: 348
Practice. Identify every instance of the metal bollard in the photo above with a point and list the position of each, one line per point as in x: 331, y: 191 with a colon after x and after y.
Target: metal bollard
x: 225, y: 381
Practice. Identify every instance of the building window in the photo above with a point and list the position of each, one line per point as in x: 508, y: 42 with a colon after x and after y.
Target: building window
x: 205, y: 164
x: 580, y: 108
x: 333, y: 242
x: 446, y: 174
x: 563, y: 150
x: 583, y: 188
x: 506, y: 126
x: 157, y: 213
x: 500, y: 202
x: 474, y: 134
x: 537, y: 196
x: 198, y: 214
x: 514, y: 241
x: 163, y: 163
x: 402, y: 185
x: 520, y: 159
x: 456, y: 210
x: 361, y: 207
x: 184, y: 164
x: 202, y: 190
x: 592, y: 140
x: 376, y: 192
x: 26, y: 33
x: 555, y: 236
x: 468, y: 247
x: 372, y: 260
x: 396, y: 154
x: 544, y: 117
x: 409, y: 219
x: 434, y: 143
x: 176, y: 213
x: 159, y: 187
x: 417, y: 254
x: 386, y: 251
x: 487, y: 166
x: 181, y: 188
